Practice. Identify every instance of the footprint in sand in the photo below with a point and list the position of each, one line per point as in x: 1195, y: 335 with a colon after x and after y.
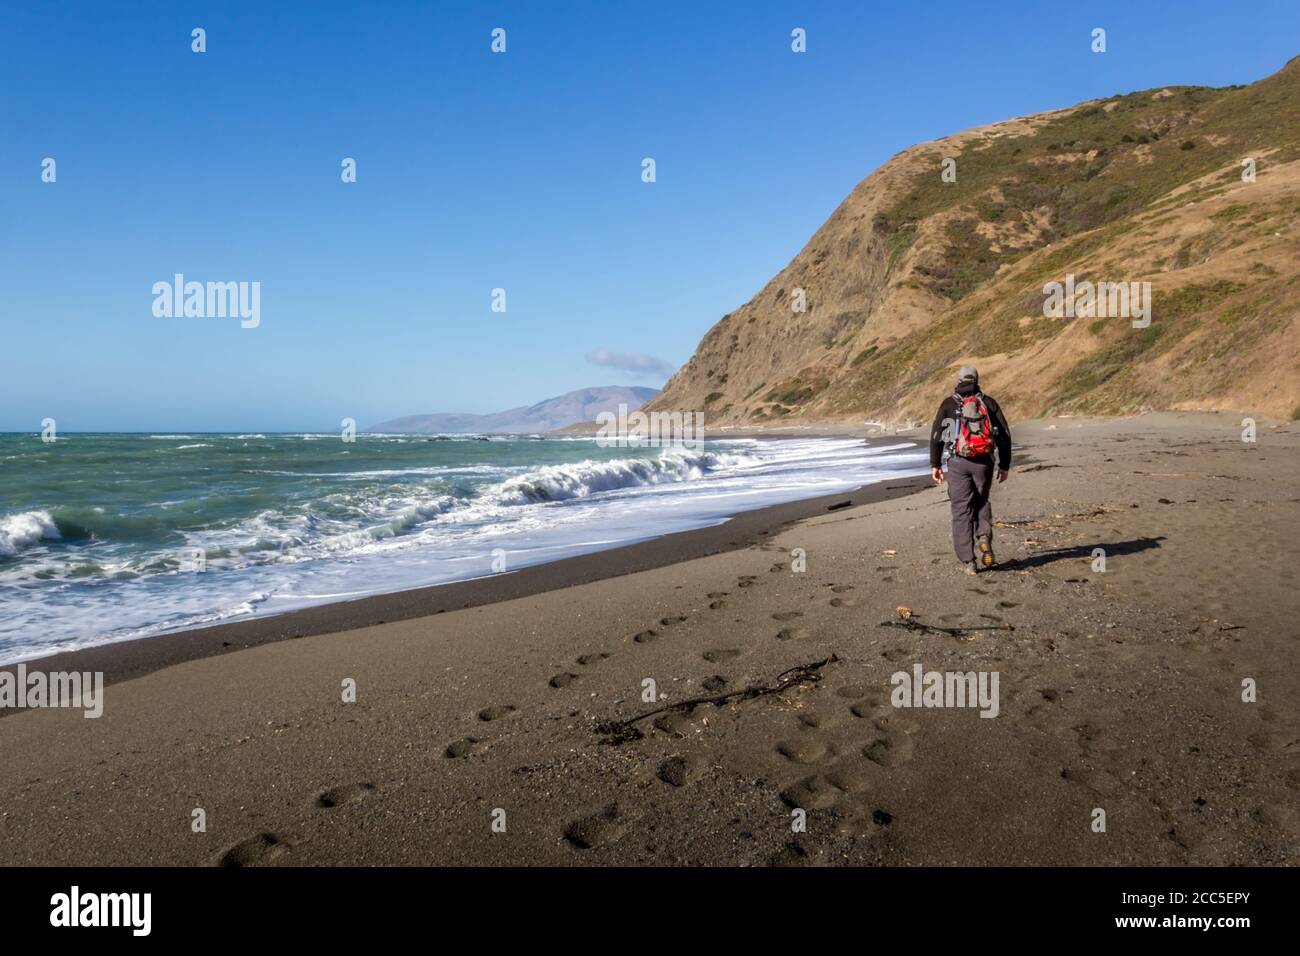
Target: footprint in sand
x: 348, y: 793
x: 714, y: 595
x: 804, y: 750
x: 1264, y: 741
x: 1099, y: 781
x: 1185, y: 834
x: 859, y: 817
x: 889, y: 751
x: 714, y: 684
x: 851, y: 777
x: 257, y: 850
x: 679, y: 770
x: 775, y: 568
x: 604, y: 826
x: 844, y: 602
x: 810, y: 793
x: 586, y: 660
x: 791, y: 633
x: 786, y: 615
x: 677, y: 723
x: 1284, y: 817
x: 895, y: 723
x: 841, y: 588
x: 887, y: 719
x: 792, y: 854
x: 562, y: 680
x: 463, y: 747
x: 647, y: 636
x: 676, y: 619
x: 716, y: 655
x: 717, y: 605
x: 497, y: 712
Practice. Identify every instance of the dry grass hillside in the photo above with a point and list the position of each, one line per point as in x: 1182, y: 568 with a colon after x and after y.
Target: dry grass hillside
x: 913, y: 276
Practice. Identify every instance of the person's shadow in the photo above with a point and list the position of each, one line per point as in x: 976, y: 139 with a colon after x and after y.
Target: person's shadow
x: 1078, y: 552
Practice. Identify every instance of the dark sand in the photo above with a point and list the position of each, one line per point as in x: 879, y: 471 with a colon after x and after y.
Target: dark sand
x: 1119, y: 691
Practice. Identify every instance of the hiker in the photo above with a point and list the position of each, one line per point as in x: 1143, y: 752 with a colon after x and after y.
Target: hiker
x: 970, y: 425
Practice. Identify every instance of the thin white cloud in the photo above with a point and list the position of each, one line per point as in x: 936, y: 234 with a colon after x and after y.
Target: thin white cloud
x: 635, y: 363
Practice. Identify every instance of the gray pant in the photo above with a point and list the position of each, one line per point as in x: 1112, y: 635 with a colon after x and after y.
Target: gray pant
x: 968, y: 493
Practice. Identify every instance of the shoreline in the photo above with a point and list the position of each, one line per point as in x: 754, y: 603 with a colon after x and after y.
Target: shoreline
x: 137, y: 656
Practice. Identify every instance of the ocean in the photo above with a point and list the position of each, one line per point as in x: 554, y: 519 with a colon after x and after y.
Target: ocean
x: 107, y: 537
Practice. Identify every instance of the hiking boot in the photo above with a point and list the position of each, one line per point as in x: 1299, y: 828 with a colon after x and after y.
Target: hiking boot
x: 972, y: 567
x: 986, y: 550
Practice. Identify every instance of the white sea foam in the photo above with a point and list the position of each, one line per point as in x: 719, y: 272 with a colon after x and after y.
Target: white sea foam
x: 302, y: 537
x: 584, y: 478
x: 22, y: 530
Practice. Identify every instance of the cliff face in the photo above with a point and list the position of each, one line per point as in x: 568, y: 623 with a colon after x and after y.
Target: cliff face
x: 913, y: 276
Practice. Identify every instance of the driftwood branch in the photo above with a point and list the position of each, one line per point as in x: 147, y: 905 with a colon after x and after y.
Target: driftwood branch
x: 621, y: 731
x: 912, y: 624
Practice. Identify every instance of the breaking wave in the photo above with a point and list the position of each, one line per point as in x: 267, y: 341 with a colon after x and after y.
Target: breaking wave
x: 24, y: 530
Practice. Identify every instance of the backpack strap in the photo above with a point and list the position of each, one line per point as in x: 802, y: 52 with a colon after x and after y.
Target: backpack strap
x: 956, y: 425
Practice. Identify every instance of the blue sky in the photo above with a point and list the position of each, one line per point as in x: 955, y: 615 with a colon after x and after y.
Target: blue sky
x: 477, y: 171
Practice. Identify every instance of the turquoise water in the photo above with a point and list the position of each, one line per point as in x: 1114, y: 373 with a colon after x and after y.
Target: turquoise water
x: 110, y: 536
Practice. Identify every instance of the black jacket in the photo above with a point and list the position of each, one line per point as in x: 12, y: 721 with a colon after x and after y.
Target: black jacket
x: 948, y: 412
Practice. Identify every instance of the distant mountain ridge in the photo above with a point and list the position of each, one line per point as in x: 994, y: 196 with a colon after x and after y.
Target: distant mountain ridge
x: 1192, y: 189
x: 580, y: 405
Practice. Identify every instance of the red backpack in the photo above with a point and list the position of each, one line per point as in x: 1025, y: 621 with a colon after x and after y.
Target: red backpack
x: 973, y: 431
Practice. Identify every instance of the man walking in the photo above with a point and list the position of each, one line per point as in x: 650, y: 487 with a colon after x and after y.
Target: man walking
x: 972, y: 428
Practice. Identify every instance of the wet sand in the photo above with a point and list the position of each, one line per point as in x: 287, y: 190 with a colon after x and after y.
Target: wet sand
x: 517, y: 703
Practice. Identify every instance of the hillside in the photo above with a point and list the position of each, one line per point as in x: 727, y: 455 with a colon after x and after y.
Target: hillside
x: 581, y: 405
x: 912, y: 276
